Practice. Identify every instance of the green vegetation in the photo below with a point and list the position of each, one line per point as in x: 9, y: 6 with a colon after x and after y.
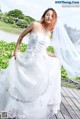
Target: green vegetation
x: 67, y: 83
x: 10, y: 28
x: 16, y: 19
x: 6, y: 52
x: 50, y: 49
x: 16, y: 13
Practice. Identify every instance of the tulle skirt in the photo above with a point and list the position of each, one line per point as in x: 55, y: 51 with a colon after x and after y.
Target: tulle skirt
x: 30, y: 88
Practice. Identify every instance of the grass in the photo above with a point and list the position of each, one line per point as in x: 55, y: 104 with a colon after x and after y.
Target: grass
x: 65, y: 83
x: 12, y: 28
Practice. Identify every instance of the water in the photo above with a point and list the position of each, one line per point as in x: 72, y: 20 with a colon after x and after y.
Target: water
x: 9, y: 37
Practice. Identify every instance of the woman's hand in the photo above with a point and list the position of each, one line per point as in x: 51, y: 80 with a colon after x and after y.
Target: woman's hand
x: 14, y: 54
x: 51, y: 54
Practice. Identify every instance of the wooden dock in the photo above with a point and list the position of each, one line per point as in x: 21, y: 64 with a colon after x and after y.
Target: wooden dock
x: 70, y: 104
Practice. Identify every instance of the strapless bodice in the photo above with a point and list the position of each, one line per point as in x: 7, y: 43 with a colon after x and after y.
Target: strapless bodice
x: 38, y: 42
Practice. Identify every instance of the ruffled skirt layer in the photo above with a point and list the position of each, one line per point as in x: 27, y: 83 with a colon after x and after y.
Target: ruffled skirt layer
x: 31, y: 88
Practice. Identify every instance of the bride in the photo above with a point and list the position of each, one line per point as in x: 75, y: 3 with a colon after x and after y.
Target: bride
x: 31, y: 84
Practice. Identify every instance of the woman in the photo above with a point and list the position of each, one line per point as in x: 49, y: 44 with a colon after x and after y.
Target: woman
x: 31, y: 83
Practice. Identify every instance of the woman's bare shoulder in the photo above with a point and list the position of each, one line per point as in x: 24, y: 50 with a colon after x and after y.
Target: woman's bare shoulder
x: 36, y: 23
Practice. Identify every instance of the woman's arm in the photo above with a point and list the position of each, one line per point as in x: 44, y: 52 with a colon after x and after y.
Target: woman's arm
x: 26, y: 31
x: 51, y: 54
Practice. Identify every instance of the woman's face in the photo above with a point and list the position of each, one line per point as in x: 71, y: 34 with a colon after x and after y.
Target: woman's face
x: 48, y: 17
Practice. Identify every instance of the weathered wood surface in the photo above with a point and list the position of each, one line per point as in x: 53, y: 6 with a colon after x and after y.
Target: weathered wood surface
x: 70, y: 104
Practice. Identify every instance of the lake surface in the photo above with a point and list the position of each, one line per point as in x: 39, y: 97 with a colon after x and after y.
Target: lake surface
x: 9, y: 37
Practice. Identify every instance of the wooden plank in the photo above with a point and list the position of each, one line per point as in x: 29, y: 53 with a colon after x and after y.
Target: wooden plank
x: 59, y: 115
x: 69, y: 109
x: 65, y: 112
x: 64, y: 93
x: 71, y: 93
x: 77, y: 92
x: 73, y: 106
x: 75, y: 95
x: 70, y: 100
x: 53, y: 117
x: 76, y: 103
x: 72, y: 97
x: 67, y: 92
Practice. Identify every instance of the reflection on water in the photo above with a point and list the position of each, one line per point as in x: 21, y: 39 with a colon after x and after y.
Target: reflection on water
x: 9, y: 37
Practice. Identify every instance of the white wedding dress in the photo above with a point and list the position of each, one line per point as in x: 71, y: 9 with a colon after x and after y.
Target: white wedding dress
x: 30, y: 87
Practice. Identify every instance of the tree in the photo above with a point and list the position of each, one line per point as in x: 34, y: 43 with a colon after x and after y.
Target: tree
x: 16, y: 13
x: 1, y: 11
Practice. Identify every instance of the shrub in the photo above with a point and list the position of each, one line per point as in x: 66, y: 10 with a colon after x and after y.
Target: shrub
x: 22, y: 23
